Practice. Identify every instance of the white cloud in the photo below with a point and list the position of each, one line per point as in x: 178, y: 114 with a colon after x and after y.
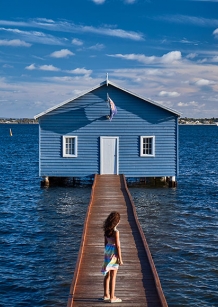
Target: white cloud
x: 204, y: 82
x: 191, y: 104
x: 182, y: 104
x: 191, y: 55
x: 77, y: 80
x: 65, y: 26
x: 38, y: 57
x: 42, y: 67
x: 48, y: 67
x: 80, y: 71
x: 137, y: 57
x: 185, y: 19
x: 168, y: 58
x: 60, y: 79
x: 194, y: 103
x: 63, y: 53
x: 171, y: 57
x: 185, y: 41
x: 215, y: 59
x: 98, y: 1
x: 45, y: 20
x: 14, y: 43
x: 77, y: 42
x: 130, y: 1
x: 202, y: 61
x: 7, y: 66
x: 35, y: 36
x: 168, y: 94
x: 215, y: 33
x: 114, y: 32
x: 31, y: 67
x: 97, y: 47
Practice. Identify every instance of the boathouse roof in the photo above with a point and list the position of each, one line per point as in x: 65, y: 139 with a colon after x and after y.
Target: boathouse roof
x: 106, y: 82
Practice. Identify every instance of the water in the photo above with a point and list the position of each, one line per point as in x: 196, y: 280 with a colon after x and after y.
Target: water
x: 181, y: 224
x: 40, y: 229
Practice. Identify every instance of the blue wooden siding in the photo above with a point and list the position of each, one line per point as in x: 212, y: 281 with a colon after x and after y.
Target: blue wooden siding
x: 85, y: 118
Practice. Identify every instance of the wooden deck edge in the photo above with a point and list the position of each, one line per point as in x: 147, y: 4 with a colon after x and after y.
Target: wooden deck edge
x: 79, y: 257
x: 150, y: 259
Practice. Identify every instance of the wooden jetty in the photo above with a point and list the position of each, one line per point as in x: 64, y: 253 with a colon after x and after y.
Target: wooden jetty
x: 138, y: 283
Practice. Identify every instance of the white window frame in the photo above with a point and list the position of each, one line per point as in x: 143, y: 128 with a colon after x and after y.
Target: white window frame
x: 152, y: 137
x: 66, y: 155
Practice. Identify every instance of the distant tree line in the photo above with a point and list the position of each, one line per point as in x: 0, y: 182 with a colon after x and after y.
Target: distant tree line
x: 184, y: 120
x: 18, y: 121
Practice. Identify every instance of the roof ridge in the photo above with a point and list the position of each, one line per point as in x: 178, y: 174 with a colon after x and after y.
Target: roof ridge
x: 107, y: 82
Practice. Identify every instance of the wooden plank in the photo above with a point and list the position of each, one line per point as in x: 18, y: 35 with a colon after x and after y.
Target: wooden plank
x: 137, y: 281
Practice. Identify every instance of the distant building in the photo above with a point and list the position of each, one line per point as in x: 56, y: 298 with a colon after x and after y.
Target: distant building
x: 78, y: 139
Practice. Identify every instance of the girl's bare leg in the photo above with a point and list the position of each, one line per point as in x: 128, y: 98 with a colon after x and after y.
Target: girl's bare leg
x: 106, y: 285
x: 113, y: 276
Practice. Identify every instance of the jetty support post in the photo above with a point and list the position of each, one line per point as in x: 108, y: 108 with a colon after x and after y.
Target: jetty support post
x: 172, y: 182
x: 45, y: 182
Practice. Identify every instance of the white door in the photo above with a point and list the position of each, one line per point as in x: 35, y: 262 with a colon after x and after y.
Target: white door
x: 109, y: 155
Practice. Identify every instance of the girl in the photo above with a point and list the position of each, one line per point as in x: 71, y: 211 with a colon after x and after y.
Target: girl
x: 112, y: 256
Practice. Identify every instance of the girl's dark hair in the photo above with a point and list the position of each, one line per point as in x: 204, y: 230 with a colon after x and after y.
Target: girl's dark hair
x: 111, y: 221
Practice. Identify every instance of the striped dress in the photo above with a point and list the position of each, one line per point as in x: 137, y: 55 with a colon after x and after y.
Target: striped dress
x: 110, y: 256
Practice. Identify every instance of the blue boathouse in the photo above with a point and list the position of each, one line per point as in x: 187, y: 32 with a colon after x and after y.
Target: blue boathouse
x: 77, y: 138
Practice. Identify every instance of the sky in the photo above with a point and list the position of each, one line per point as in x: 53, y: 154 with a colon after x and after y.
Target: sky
x: 52, y: 51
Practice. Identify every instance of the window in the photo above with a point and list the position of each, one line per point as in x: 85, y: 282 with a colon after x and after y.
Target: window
x: 69, y: 146
x: 147, y: 146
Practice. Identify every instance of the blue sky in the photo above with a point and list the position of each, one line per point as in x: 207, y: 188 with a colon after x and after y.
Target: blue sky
x: 51, y: 51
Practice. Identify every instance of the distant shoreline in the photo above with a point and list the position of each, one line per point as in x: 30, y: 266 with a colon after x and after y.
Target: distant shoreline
x: 182, y: 121
x: 18, y: 121
x: 189, y: 124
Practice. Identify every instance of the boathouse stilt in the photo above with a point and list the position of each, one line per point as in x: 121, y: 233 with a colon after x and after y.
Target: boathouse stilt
x: 172, y: 182
x: 45, y: 182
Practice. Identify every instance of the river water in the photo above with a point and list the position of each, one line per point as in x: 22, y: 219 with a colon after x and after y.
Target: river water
x: 40, y: 229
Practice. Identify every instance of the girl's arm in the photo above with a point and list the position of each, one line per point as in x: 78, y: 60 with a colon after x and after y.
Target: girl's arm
x: 117, y: 242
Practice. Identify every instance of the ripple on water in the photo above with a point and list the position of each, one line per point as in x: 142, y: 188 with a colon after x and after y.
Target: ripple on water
x: 40, y: 229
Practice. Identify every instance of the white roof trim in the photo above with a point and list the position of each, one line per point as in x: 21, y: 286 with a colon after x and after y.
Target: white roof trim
x: 107, y: 82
